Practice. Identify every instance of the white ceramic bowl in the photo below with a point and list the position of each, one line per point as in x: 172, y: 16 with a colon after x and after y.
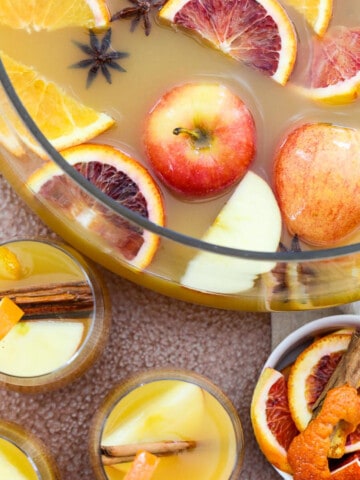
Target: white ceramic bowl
x: 293, y: 344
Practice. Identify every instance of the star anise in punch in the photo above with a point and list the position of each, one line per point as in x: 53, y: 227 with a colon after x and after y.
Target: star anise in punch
x: 101, y: 57
x: 140, y: 11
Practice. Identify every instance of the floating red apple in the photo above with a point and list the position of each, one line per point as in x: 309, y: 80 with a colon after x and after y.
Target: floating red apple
x: 317, y: 182
x: 200, y: 139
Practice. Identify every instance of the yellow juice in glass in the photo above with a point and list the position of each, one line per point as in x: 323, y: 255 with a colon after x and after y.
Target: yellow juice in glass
x: 154, y: 64
x: 65, y: 319
x: 155, y: 409
x: 23, y: 456
x: 14, y: 463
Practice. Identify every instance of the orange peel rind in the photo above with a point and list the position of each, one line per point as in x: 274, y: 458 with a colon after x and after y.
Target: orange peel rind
x: 143, y: 466
x: 10, y: 268
x: 10, y: 314
x: 308, y: 452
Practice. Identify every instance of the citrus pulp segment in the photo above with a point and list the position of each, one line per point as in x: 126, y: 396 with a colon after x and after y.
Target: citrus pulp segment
x: 250, y: 220
x: 335, y: 68
x: 53, y: 14
x: 258, y: 33
x: 310, y: 373
x: 119, y: 176
x: 62, y: 119
x: 316, y: 12
x: 273, y: 426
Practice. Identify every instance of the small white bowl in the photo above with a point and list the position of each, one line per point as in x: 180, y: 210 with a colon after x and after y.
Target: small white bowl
x: 287, y: 350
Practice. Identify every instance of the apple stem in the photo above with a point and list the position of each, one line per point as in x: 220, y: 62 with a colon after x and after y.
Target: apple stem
x: 199, y: 137
x: 196, y: 134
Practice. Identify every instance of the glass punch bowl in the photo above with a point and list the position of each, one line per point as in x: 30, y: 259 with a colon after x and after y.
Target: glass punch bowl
x: 246, y: 280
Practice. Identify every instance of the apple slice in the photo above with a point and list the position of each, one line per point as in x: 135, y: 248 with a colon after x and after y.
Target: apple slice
x: 250, y: 220
x: 164, y: 409
x: 37, y: 347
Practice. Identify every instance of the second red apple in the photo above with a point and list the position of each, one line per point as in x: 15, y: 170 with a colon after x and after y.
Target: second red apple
x: 200, y: 139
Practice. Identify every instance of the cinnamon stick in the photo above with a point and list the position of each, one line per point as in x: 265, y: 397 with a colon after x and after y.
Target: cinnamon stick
x: 38, y: 300
x: 126, y: 453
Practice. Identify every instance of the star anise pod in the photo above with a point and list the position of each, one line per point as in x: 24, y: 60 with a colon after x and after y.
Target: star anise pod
x: 101, y: 57
x: 141, y: 11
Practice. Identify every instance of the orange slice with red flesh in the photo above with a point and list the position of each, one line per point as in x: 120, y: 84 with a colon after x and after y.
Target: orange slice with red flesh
x: 123, y: 179
x: 257, y: 33
x: 10, y: 314
x: 335, y: 68
x: 54, y: 14
x: 273, y: 426
x: 310, y: 373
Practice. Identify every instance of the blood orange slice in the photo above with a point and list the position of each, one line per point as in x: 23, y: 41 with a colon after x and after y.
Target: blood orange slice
x: 335, y: 68
x: 271, y: 419
x: 119, y: 176
x: 258, y: 33
x: 310, y: 372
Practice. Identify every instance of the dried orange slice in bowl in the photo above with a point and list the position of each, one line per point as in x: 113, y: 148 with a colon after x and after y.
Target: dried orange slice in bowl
x: 310, y: 372
x: 272, y: 394
x: 257, y: 33
x: 120, y: 177
x: 273, y: 426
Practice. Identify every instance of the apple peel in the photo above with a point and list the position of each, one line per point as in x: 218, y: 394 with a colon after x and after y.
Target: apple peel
x: 250, y: 220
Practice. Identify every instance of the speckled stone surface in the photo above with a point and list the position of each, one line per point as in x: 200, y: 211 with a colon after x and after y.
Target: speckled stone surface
x: 148, y: 330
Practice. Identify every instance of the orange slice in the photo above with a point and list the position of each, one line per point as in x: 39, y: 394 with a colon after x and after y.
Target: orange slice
x: 316, y: 12
x: 335, y: 69
x: 258, y: 33
x: 143, y: 466
x: 10, y: 314
x: 53, y: 14
x: 10, y: 268
x: 310, y: 373
x: 273, y: 426
x: 120, y: 177
x: 62, y: 119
